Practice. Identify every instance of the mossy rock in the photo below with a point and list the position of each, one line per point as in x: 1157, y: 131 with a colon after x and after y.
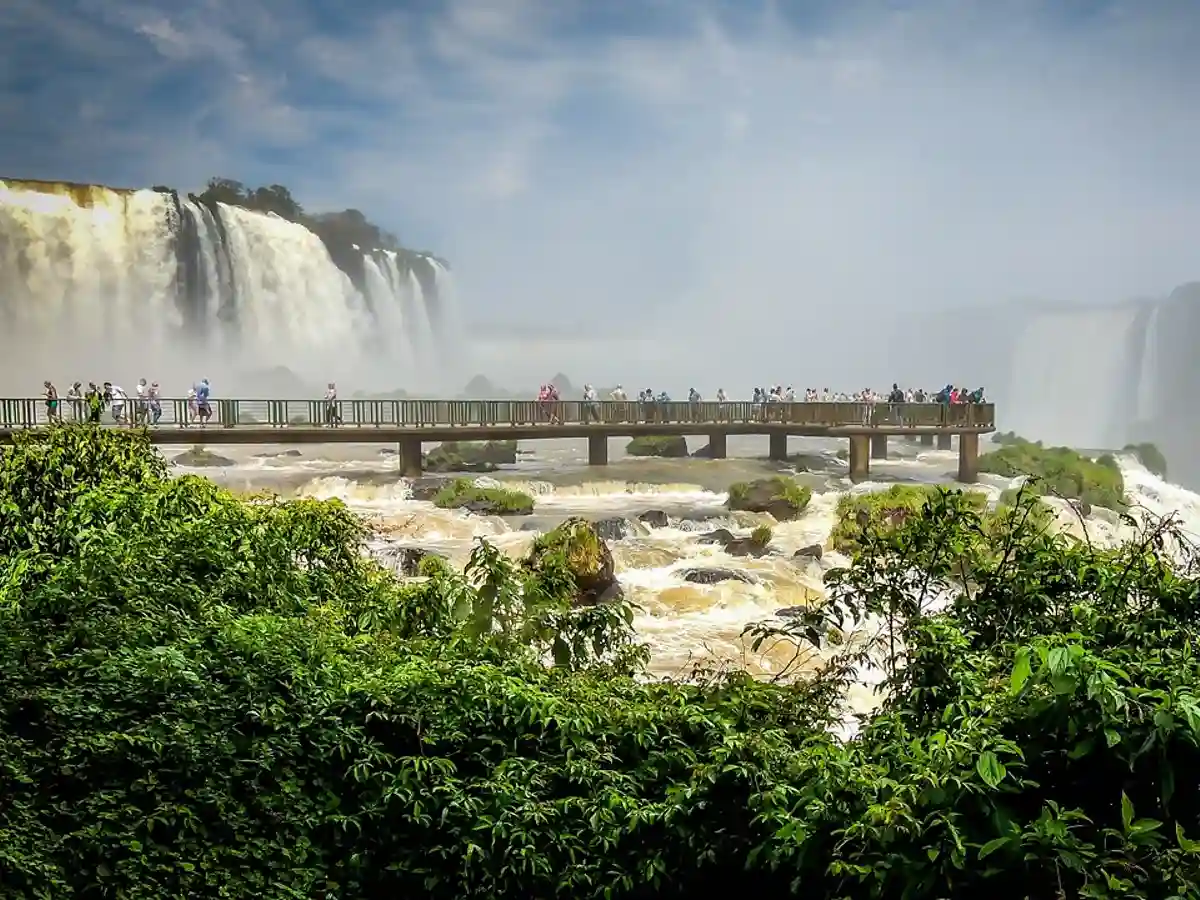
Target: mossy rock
x: 673, y: 446
x: 578, y: 544
x: 1060, y: 471
x: 200, y: 458
x: 1149, y: 456
x: 470, y: 456
x: 463, y: 493
x: 881, y: 510
x: 782, y: 497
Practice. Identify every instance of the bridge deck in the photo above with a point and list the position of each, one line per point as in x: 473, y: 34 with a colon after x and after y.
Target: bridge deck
x: 305, y: 421
x: 301, y: 434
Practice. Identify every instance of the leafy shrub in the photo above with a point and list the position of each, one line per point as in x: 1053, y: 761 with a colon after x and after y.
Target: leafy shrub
x: 465, y: 493
x: 1060, y: 471
x: 761, y: 535
x: 886, y: 509
x: 206, y: 697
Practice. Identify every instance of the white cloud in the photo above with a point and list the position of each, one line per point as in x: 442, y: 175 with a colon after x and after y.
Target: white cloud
x: 753, y: 184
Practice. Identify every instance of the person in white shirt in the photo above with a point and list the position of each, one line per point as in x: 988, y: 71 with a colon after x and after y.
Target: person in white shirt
x: 141, y: 411
x: 119, y: 398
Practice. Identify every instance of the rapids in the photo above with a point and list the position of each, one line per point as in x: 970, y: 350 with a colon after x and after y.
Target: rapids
x: 683, y: 623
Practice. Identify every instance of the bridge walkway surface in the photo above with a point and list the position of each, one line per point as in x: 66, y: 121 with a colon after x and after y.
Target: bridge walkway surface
x: 410, y: 423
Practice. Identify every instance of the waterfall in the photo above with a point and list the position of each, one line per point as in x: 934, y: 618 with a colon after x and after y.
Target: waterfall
x: 1147, y: 409
x: 97, y: 283
x: 1070, y: 377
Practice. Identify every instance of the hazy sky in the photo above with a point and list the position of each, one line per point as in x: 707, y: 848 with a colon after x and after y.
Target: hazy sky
x: 772, y: 171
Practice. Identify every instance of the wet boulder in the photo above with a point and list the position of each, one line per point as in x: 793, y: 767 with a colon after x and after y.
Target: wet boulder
x: 784, y: 498
x: 722, y: 536
x: 673, y: 446
x: 201, y: 458
x: 577, y: 544
x: 812, y: 551
x: 655, y: 518
x: 614, y: 528
x: 407, y: 560
x: 716, y: 576
x: 428, y: 487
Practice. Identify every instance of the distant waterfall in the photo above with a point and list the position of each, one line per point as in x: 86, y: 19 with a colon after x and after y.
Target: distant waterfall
x: 1147, y: 406
x: 98, y: 283
x: 1071, y: 374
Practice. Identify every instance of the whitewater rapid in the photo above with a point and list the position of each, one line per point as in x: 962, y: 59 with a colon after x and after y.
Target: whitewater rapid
x: 92, y: 277
x: 682, y: 622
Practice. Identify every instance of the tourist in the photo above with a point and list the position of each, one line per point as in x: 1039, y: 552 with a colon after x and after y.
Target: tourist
x: 141, y: 409
x: 333, y: 414
x: 95, y: 402
x: 203, y: 409
x: 192, y: 406
x: 118, y: 400
x: 154, y: 403
x: 52, y: 411
x: 75, y: 397
x: 591, y: 401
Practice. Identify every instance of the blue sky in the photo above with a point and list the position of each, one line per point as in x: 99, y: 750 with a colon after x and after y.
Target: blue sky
x: 617, y: 165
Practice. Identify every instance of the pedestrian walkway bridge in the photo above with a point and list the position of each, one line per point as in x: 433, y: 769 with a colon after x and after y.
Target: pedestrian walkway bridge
x: 409, y: 423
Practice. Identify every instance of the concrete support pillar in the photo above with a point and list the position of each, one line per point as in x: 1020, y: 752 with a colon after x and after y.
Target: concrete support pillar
x: 968, y: 458
x: 879, y: 446
x: 860, y: 459
x: 410, y: 457
x: 944, y: 440
x: 597, y: 450
x: 717, y: 448
x: 779, y: 446
x: 927, y: 440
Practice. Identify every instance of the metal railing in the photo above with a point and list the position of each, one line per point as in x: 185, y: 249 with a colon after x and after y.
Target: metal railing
x: 34, y: 412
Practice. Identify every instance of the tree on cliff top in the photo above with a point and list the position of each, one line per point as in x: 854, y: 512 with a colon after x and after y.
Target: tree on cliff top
x: 347, y: 226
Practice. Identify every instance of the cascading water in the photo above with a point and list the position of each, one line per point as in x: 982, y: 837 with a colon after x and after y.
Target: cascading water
x: 1146, y: 409
x: 1067, y: 369
x: 95, y: 282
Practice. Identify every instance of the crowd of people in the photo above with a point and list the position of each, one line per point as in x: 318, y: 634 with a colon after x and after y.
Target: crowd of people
x: 144, y: 408
x: 650, y: 402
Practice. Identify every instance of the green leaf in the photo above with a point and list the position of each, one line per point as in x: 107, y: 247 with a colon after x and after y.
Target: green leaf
x: 992, y: 846
x: 1021, y: 671
x: 1186, y: 844
x: 1126, y: 812
x: 990, y: 769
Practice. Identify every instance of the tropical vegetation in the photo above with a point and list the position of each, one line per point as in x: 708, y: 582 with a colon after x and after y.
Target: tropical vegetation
x: 1149, y: 456
x: 1060, y: 471
x: 204, y: 696
x: 464, y: 493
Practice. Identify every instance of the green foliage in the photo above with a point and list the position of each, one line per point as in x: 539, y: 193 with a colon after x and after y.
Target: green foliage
x: 207, y: 697
x: 1149, y: 456
x: 761, y: 535
x: 668, y: 445
x: 1007, y: 437
x: 883, y: 510
x: 463, y: 493
x: 784, y: 498
x: 1060, y: 471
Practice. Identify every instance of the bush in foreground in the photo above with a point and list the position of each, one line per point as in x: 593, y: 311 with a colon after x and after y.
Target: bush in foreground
x: 207, y: 697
